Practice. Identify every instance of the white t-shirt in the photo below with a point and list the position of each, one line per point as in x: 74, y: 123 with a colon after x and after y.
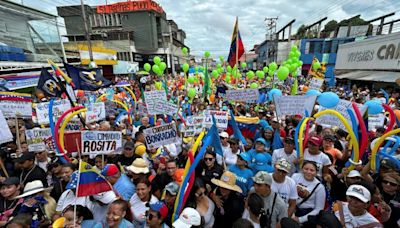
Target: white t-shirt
x: 321, y: 159
x: 280, y: 153
x: 315, y: 201
x: 356, y: 221
x: 287, y: 189
x: 230, y: 157
x: 139, y: 209
x: 225, y: 150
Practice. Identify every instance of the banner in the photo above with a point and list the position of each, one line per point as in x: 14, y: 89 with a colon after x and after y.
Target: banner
x: 59, y: 107
x: 14, y: 108
x: 341, y: 107
x: 142, y: 109
x: 95, y: 112
x: 375, y: 121
x: 221, y: 119
x: 160, y: 135
x: 315, y: 83
x: 5, y: 133
x: 100, y: 142
x: 245, y: 95
x: 164, y: 107
x: 39, y: 139
x: 194, y: 126
x: 292, y: 105
x: 320, y: 72
x: 151, y: 97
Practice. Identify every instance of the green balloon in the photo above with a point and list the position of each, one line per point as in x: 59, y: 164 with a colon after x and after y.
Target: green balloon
x: 207, y: 54
x: 260, y: 74
x: 300, y: 63
x: 157, y: 60
x: 147, y: 67
x: 191, y: 79
x: 215, y: 73
x: 162, y: 66
x: 229, y: 69
x: 289, y: 61
x: 185, y: 67
x: 283, y: 73
x: 184, y: 51
x: 228, y: 79
x: 294, y: 48
x: 158, y: 85
x: 201, y: 68
x: 292, y: 54
x: 271, y: 72
x: 220, y: 70
x: 191, y: 93
x: 254, y: 85
x: 243, y: 65
x: 298, y: 54
x: 221, y: 58
x: 156, y: 69
x: 268, y: 79
x: 293, y: 67
x: 273, y: 66
x: 196, y: 79
x: 316, y: 65
x: 250, y: 75
x: 219, y: 65
x: 265, y: 69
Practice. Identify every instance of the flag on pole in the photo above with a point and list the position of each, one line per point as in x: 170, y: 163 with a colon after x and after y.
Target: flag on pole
x: 49, y: 85
x: 90, y: 181
x: 237, y: 47
x: 87, y: 79
x: 236, y: 131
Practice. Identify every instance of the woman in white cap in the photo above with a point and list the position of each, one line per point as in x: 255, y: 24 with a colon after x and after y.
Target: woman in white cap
x: 189, y: 217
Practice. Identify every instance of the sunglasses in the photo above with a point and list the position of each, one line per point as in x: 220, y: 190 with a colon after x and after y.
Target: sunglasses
x: 208, y: 159
x: 41, y: 152
x: 199, y: 194
x: 150, y: 216
x: 389, y: 183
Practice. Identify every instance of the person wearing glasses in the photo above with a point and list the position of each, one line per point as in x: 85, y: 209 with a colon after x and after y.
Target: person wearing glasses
x: 156, y: 215
x: 209, y: 168
x: 390, y: 193
x: 199, y: 200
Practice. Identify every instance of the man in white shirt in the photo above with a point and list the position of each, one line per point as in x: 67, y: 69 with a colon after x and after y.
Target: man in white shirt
x: 41, y: 159
x: 354, y: 213
x: 288, y: 152
x: 226, y: 149
x: 284, y: 185
x: 231, y: 157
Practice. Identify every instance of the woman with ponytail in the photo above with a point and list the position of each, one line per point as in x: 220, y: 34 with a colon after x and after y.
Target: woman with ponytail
x: 258, y: 215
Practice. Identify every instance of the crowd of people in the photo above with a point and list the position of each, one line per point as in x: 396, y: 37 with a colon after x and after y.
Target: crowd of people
x: 260, y: 184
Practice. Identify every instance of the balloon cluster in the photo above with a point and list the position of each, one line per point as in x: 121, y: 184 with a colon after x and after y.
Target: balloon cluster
x: 158, y: 67
x: 291, y: 64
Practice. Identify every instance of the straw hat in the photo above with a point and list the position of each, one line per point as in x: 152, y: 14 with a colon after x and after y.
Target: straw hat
x: 228, y: 181
x: 32, y: 188
x: 139, y: 165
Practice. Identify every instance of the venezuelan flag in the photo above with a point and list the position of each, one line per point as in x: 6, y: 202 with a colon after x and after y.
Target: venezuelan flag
x: 90, y: 181
x: 237, y: 47
x: 247, y: 125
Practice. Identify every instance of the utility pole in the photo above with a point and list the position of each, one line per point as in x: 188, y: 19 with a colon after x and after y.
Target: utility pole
x: 87, y: 33
x: 272, y: 37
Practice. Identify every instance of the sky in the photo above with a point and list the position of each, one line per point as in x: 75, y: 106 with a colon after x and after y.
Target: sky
x: 209, y: 23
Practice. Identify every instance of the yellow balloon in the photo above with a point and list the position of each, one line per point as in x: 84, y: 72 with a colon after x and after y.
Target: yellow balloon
x: 301, y: 140
x: 99, y: 98
x: 64, y: 125
x: 132, y: 94
x: 377, y: 145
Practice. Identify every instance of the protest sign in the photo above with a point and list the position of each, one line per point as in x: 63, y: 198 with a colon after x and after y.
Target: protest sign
x: 320, y: 72
x: 100, y: 142
x: 142, y: 109
x: 73, y: 126
x: 13, y: 108
x: 5, y: 133
x: 245, y: 95
x: 292, y: 105
x: 39, y: 139
x: 375, y: 121
x: 151, y: 97
x: 160, y: 135
x: 315, y: 83
x: 95, y: 112
x: 164, y: 107
x: 221, y: 119
x: 194, y: 125
x: 341, y: 107
x: 59, y: 107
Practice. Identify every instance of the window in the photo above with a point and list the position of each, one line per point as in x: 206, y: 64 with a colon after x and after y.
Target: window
x: 327, y: 47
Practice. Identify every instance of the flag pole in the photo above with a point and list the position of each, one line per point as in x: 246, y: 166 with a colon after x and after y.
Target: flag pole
x: 79, y: 177
x: 237, y: 48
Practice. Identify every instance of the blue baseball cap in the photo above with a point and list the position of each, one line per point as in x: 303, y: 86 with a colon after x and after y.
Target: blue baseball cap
x: 245, y: 156
x: 261, y: 163
x: 261, y: 140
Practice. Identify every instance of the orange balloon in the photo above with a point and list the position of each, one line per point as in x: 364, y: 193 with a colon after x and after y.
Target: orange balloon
x: 397, y: 112
x: 212, y: 98
x: 80, y: 93
x: 305, y: 88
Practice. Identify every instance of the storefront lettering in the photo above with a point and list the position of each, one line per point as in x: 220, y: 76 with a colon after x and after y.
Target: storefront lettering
x: 388, y: 52
x: 361, y: 56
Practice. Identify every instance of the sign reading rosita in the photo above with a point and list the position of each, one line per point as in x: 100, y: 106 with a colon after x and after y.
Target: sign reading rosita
x: 160, y: 135
x: 129, y: 7
x: 100, y: 141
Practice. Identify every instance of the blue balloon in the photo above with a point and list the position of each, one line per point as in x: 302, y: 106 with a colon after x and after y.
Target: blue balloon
x: 328, y: 99
x: 374, y: 107
x: 313, y: 92
x: 272, y: 92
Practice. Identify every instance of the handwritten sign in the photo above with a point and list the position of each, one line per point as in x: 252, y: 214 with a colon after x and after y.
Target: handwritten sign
x: 316, y: 83
x: 194, y: 126
x: 164, y: 107
x: 221, y: 119
x: 95, y: 112
x: 14, y: 108
x: 39, y: 139
x: 5, y: 133
x: 142, y: 109
x: 100, y: 142
x: 375, y: 121
x: 160, y: 135
x: 245, y: 95
x: 59, y: 107
x: 292, y: 105
x: 151, y: 97
x: 341, y: 107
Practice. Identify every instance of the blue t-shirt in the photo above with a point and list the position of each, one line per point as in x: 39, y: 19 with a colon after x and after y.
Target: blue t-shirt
x: 125, y: 187
x: 243, y: 178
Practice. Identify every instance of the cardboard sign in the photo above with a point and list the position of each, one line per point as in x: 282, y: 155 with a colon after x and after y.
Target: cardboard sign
x: 375, y: 121
x: 161, y: 135
x: 341, y: 107
x: 245, y: 95
x: 164, y: 107
x: 320, y: 72
x: 316, y: 83
x: 151, y: 97
x: 194, y: 126
x: 142, y: 109
x: 39, y: 139
x: 95, y: 112
x: 292, y: 105
x: 59, y: 107
x: 14, y: 108
x: 5, y: 133
x: 221, y: 119
x: 100, y: 141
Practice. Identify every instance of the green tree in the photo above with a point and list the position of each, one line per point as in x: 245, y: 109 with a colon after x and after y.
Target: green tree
x: 301, y: 32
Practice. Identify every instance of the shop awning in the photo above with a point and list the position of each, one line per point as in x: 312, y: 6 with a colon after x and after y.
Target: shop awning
x: 369, y: 75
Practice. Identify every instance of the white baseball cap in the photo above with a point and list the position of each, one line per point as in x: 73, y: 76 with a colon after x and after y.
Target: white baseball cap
x: 188, y: 218
x: 224, y: 134
x: 360, y: 192
x: 354, y: 173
